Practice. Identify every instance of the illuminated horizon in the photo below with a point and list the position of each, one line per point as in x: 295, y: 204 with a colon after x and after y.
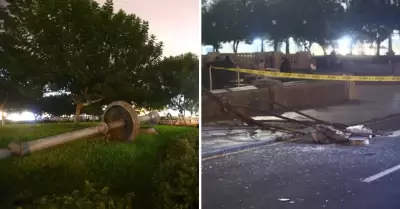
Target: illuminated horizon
x: 175, y: 22
x: 343, y: 47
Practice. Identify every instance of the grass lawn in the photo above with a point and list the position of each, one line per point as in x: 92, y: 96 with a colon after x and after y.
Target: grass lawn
x: 123, y: 167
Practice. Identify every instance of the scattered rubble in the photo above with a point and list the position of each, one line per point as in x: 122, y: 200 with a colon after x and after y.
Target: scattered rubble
x: 320, y: 131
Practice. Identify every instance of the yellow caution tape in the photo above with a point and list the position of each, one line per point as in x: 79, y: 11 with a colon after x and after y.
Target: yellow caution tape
x: 313, y: 76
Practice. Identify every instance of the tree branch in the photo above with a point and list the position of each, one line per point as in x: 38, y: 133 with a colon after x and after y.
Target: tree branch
x: 5, y: 99
x: 92, y: 102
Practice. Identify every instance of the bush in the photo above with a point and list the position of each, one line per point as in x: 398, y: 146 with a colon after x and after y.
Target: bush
x: 175, y: 183
x: 89, y: 198
x: 177, y: 178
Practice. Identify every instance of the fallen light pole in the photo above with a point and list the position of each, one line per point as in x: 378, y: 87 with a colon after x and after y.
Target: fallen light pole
x: 320, y: 131
x: 120, y: 122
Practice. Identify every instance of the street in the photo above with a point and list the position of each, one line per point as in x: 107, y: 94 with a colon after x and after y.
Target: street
x: 308, y: 176
x: 305, y: 176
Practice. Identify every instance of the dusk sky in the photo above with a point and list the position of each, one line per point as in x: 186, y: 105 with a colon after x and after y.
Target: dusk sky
x: 174, y: 22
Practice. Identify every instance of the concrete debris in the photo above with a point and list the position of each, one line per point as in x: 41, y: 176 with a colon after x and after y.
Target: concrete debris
x: 328, y: 134
x: 359, y: 129
x: 321, y: 131
x: 283, y: 199
x: 358, y: 140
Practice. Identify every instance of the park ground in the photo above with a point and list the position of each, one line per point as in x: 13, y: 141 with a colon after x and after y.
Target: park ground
x: 303, y: 175
x: 144, y: 167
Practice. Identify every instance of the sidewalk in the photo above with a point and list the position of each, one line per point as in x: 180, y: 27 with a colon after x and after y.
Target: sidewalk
x: 217, y: 140
x: 374, y: 102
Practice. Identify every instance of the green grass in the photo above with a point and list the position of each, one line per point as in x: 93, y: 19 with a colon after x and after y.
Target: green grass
x: 123, y: 167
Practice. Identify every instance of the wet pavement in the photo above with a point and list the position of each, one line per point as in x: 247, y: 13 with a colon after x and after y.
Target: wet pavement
x: 217, y: 140
x: 373, y: 102
x: 307, y: 176
x: 304, y: 176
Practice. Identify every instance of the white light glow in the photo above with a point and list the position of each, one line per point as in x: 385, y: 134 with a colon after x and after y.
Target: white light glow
x: 24, y: 116
x: 257, y: 41
x: 344, y: 45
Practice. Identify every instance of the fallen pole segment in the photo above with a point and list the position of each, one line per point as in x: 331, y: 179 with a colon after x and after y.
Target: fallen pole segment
x: 229, y: 108
x: 120, y: 122
x: 339, y: 125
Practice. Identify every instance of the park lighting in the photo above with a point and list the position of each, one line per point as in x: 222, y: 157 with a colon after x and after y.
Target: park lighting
x: 257, y: 41
x: 274, y: 22
x: 304, y: 22
x: 214, y: 24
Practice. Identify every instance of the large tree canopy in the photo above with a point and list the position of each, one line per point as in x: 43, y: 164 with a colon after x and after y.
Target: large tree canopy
x: 307, y: 21
x: 186, y: 86
x: 94, y: 54
x: 86, y: 49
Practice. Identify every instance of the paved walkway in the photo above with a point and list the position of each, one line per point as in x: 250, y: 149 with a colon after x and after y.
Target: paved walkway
x: 374, y: 101
x: 218, y: 140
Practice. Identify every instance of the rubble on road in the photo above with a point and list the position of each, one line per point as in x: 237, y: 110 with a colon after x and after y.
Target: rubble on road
x: 320, y: 131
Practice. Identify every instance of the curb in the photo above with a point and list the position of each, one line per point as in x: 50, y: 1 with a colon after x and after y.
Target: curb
x: 232, y: 149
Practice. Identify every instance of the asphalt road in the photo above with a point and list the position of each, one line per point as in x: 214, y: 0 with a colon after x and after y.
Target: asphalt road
x: 306, y: 176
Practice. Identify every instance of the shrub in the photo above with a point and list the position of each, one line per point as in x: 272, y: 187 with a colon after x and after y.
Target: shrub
x: 177, y: 178
x: 89, y: 198
x: 175, y: 183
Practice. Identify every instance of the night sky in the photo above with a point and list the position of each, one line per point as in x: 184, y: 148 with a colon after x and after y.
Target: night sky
x: 174, y: 22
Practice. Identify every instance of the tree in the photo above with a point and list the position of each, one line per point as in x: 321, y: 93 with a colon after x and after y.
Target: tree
x: 188, y: 78
x: 374, y: 19
x: 230, y: 18
x: 210, y: 33
x: 170, y: 77
x: 259, y: 14
x: 233, y: 21
x: 87, y: 50
x: 56, y: 105
x: 17, y: 72
x: 327, y: 16
x: 12, y: 94
x: 281, y: 23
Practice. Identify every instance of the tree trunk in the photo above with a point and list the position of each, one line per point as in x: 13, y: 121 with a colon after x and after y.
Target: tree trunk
x: 351, y: 46
x: 323, y: 49
x: 78, y: 110
x: 216, y: 48
x: 276, y: 44
x: 235, y: 46
x: 262, y: 45
x: 390, y: 50
x: 287, y: 46
x: 307, y: 46
x: 378, y: 48
x: 3, y: 118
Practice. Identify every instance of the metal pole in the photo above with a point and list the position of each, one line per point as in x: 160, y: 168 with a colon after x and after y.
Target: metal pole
x: 24, y: 148
x: 210, y: 77
x: 4, y: 153
x: 238, y: 76
x: 152, y: 118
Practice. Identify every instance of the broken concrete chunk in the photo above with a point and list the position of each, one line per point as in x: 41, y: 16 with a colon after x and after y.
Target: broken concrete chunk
x: 359, y: 129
